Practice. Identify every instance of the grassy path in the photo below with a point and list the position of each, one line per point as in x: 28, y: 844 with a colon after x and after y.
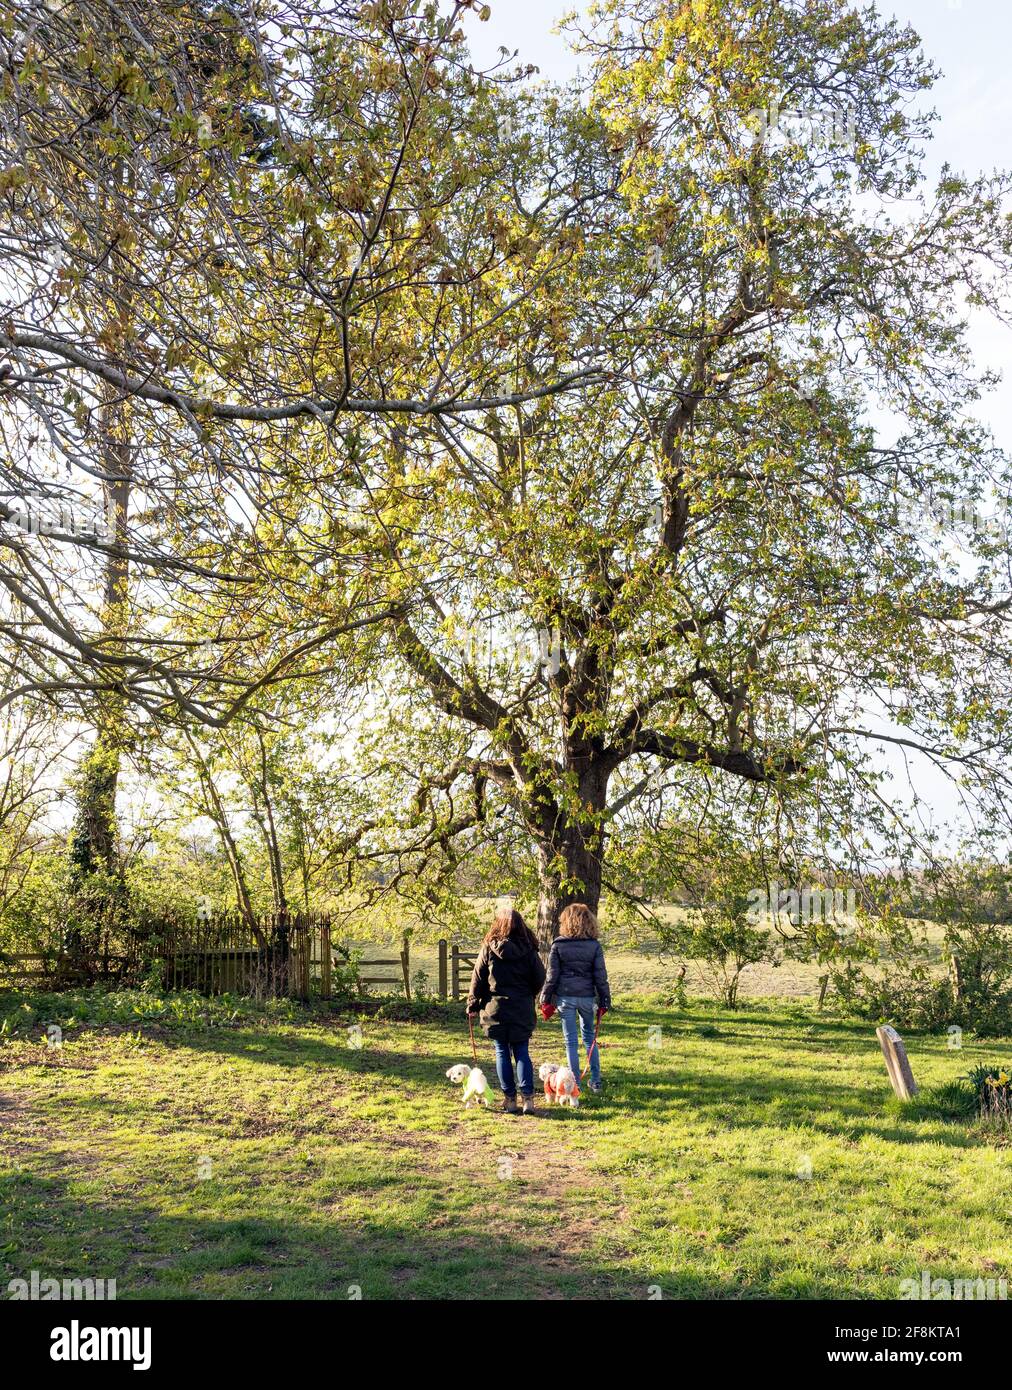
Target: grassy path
x: 732, y: 1155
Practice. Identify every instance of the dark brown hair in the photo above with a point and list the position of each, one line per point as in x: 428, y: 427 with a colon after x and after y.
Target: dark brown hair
x: 578, y: 920
x: 509, y: 925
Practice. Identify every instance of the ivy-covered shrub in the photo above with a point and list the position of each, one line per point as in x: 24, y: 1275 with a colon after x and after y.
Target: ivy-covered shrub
x: 912, y: 979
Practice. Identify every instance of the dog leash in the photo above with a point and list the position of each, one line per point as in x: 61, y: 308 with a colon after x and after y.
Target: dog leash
x: 590, y: 1049
x: 474, y: 1050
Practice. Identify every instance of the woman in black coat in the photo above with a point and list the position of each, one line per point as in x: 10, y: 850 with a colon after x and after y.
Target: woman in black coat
x: 507, y: 977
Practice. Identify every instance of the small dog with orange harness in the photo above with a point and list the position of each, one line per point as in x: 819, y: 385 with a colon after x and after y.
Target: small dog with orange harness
x: 561, y: 1085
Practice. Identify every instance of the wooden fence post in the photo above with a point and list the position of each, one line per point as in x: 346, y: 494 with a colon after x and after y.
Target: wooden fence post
x: 406, y: 964
x: 454, y: 972
x: 897, y: 1065
x: 442, y: 970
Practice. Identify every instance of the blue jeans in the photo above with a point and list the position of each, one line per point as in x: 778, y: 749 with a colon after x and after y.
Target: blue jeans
x: 505, y: 1054
x: 584, y: 1011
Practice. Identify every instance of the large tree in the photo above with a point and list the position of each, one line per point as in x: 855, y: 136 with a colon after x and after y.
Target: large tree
x: 652, y: 369
x: 731, y: 547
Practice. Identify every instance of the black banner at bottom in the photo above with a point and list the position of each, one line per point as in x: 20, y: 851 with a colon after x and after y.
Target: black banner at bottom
x: 78, y: 1340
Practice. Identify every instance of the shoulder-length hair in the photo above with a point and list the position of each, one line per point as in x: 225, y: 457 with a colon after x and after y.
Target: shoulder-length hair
x: 578, y: 920
x: 509, y: 925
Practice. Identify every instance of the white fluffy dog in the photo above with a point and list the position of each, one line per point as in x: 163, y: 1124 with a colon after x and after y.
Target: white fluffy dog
x: 567, y: 1088
x: 561, y: 1084
x: 476, y: 1088
x: 546, y: 1073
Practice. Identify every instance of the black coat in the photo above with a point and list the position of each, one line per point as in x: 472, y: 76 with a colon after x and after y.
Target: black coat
x: 576, y: 971
x: 504, y: 985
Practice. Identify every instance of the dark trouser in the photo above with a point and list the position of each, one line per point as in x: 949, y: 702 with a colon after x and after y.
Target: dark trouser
x: 505, y: 1055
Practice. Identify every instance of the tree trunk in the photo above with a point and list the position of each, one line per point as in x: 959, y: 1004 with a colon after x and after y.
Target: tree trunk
x: 567, y: 873
x: 93, y: 840
x: 96, y: 873
x: 571, y: 852
x: 215, y: 812
x: 549, y: 901
x: 96, y: 879
x: 270, y: 833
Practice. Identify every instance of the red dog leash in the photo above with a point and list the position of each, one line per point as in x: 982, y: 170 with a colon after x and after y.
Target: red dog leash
x: 546, y: 1012
x: 590, y: 1049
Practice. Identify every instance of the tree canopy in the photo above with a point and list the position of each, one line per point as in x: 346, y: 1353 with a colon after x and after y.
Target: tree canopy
x: 598, y: 437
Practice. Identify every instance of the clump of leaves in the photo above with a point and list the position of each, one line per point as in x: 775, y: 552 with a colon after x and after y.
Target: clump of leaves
x: 953, y: 1100
x: 992, y: 1090
x: 415, y: 1011
x: 677, y: 996
x: 99, y: 1006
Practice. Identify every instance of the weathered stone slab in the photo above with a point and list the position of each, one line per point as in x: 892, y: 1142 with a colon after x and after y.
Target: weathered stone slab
x: 897, y: 1065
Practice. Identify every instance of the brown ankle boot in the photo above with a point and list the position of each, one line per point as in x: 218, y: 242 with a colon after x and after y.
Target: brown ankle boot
x: 528, y: 1105
x: 509, y: 1105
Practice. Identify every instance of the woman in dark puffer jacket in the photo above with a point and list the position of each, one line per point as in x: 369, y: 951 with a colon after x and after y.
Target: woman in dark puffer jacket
x: 576, y: 978
x: 507, y: 976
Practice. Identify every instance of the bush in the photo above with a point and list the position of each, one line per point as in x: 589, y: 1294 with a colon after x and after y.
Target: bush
x: 22, y: 1012
x: 904, y: 978
x: 396, y: 1010
x: 344, y: 974
x: 929, y: 1003
x: 717, y: 929
x: 909, y: 1000
x: 992, y: 1090
x: 982, y: 952
x: 720, y: 937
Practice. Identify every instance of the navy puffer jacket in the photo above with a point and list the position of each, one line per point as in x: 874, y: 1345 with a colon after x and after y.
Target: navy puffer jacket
x: 576, y: 970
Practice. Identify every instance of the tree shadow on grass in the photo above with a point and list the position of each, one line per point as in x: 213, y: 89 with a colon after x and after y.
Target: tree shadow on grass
x: 767, y: 1100
x: 153, y: 1255
x: 379, y: 1060
x: 756, y: 1096
x: 210, y: 1257
x: 832, y: 1108
x: 297, y: 1053
x: 720, y: 1028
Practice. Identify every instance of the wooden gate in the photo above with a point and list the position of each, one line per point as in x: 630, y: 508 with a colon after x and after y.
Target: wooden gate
x: 402, y: 962
x: 454, y: 984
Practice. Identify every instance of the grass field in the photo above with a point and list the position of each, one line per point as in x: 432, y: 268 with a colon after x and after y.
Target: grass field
x: 646, y: 968
x: 207, y: 1150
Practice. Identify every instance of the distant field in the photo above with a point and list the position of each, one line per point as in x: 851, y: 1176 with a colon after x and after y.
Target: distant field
x: 646, y: 971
